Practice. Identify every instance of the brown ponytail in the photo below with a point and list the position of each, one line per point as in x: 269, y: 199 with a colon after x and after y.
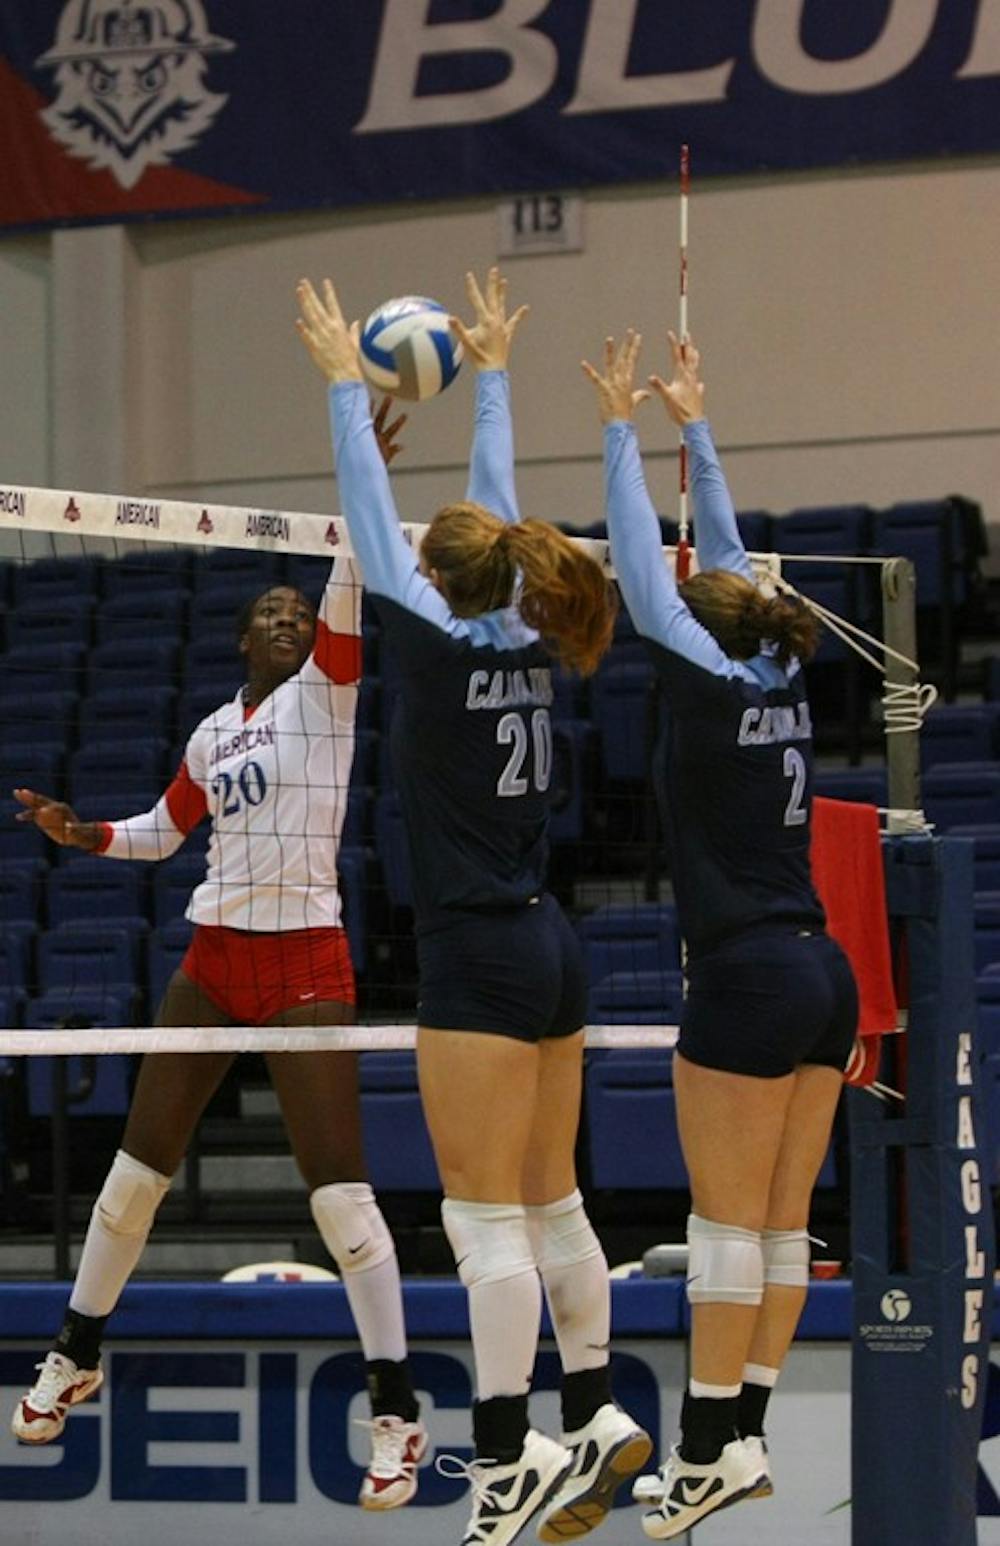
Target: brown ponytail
x: 739, y: 616
x: 564, y: 593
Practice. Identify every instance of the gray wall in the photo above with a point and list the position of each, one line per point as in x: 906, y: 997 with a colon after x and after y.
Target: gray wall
x: 848, y: 323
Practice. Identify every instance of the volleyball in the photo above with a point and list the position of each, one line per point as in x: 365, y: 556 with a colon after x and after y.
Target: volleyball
x: 408, y: 349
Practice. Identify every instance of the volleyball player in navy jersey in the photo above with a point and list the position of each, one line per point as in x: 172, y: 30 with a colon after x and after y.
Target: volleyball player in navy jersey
x: 475, y: 624
x: 771, y: 1008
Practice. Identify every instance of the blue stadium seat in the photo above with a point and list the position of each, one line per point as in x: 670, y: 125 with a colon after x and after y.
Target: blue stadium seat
x: 21, y: 884
x: 571, y: 740
x: 400, y: 1157
x: 112, y: 1071
x: 94, y: 958
x: 40, y: 624
x: 755, y: 527
x: 820, y: 529
x: 620, y: 704
x: 213, y: 656
x: 114, y: 806
x: 391, y: 847
x: 38, y: 717
x: 991, y: 678
x: 145, y: 662
x: 352, y: 868
x: 962, y: 793
x: 157, y: 569
x: 23, y: 764
x: 41, y: 668
x: 309, y: 574
x: 47, y: 582
x: 21, y: 841
x: 358, y: 830
x: 16, y: 958
x: 163, y: 613
x: 960, y: 732
x: 636, y: 937
x: 868, y: 785
x: 216, y: 608
x: 932, y: 534
x: 986, y: 926
x: 138, y: 712
x: 254, y: 571
x: 631, y: 1122
x: 165, y: 951
x: 118, y: 766
x: 988, y: 1000
x: 89, y: 887
x: 197, y: 703
x: 173, y: 881
x: 636, y: 998
x: 987, y: 854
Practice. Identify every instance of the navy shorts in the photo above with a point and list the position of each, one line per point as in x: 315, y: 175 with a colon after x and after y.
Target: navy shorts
x: 768, y: 1000
x: 512, y: 972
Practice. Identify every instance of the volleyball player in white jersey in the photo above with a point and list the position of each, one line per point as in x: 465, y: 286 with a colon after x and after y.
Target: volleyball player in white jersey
x: 271, y: 769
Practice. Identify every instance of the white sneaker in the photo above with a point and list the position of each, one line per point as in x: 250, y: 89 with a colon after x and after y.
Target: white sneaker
x: 504, y: 1497
x: 649, y: 1488
x: 397, y: 1449
x: 608, y: 1450
x: 40, y: 1416
x: 756, y: 1447
x: 692, y: 1491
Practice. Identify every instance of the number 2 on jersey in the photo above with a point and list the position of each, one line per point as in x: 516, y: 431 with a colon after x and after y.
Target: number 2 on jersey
x: 512, y: 731
x: 795, y: 769
x: 249, y: 787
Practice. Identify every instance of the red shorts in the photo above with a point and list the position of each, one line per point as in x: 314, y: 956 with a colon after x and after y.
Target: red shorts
x: 255, y: 977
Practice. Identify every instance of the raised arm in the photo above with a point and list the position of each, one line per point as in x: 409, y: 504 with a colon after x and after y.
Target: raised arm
x: 334, y: 667
x: 487, y: 343
x: 388, y: 563
x: 646, y: 579
x: 717, y: 538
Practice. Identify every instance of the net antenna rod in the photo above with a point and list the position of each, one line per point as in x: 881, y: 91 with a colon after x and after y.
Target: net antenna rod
x: 683, y: 568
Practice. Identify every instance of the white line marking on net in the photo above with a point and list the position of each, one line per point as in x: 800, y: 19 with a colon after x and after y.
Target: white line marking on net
x: 276, y: 1038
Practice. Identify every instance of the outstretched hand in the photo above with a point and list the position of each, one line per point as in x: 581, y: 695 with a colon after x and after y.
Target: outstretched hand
x: 331, y: 342
x: 617, y: 397
x: 684, y: 394
x: 57, y: 820
x: 385, y: 433
x: 487, y: 341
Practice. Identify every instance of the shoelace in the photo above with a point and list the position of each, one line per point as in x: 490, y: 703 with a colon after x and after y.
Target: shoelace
x: 47, y: 1391
x: 389, y: 1443
x: 470, y: 1471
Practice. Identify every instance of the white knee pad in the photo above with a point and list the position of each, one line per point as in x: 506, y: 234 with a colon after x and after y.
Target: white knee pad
x: 130, y: 1196
x: 786, y: 1257
x: 725, y: 1263
x: 489, y: 1239
x: 561, y: 1234
x: 351, y: 1225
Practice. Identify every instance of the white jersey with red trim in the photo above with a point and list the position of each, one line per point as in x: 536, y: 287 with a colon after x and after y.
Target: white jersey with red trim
x: 274, y: 783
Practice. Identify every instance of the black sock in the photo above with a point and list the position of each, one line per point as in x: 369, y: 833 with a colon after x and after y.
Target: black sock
x: 583, y: 1394
x: 499, y: 1425
x: 707, y: 1426
x: 753, y: 1405
x: 390, y: 1389
x: 80, y: 1338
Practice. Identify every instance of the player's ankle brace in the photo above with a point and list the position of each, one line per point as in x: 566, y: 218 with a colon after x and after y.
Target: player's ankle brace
x: 786, y: 1257
x: 351, y: 1225
x: 725, y: 1263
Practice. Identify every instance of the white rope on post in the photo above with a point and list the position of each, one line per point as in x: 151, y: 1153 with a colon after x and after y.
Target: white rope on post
x: 105, y: 1040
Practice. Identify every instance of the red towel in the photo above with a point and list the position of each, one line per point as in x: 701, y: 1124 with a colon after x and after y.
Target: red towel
x: 847, y: 872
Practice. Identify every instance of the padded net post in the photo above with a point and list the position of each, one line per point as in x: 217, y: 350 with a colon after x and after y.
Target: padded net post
x: 899, y: 584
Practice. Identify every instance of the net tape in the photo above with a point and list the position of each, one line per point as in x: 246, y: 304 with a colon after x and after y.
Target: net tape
x: 104, y: 1040
x: 114, y: 517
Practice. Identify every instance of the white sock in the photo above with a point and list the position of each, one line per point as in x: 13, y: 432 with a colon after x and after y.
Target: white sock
x: 575, y: 1273
x: 357, y: 1237
x: 496, y: 1263
x: 117, y: 1233
x: 760, y: 1374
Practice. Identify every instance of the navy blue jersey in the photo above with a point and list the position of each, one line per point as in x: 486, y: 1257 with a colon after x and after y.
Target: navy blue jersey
x: 736, y: 765
x: 472, y: 737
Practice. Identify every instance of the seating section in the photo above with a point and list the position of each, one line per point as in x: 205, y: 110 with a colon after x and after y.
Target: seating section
x: 107, y: 666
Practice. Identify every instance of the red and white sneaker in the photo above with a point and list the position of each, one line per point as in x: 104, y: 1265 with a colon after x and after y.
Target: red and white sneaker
x: 397, y: 1449
x: 40, y: 1416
